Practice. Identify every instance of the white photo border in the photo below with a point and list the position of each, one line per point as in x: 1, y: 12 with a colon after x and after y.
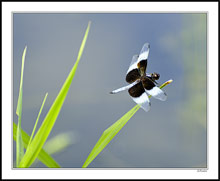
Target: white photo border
x: 211, y: 8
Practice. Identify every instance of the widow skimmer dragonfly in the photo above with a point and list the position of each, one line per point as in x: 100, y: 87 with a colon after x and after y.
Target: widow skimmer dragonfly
x: 142, y: 84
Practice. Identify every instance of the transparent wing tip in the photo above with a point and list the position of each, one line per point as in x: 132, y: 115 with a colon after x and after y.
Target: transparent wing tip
x: 147, y: 45
x: 146, y: 106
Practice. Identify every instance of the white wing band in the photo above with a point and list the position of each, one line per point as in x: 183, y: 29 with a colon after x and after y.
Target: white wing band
x: 157, y: 93
x: 143, y: 101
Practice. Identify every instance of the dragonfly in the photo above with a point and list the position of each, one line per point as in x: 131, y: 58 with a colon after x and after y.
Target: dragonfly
x: 142, y: 84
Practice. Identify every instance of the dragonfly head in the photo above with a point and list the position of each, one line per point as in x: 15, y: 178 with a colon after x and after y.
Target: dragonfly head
x: 155, y: 76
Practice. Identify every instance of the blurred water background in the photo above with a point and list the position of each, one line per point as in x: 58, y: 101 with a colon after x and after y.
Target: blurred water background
x: 173, y: 134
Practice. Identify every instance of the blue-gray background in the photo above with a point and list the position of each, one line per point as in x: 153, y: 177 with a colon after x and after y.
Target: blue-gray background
x: 172, y: 134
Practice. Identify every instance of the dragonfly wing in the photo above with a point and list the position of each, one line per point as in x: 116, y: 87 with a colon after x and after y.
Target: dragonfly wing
x: 143, y: 101
x: 157, y: 93
x: 133, y: 64
x: 139, y: 95
x: 144, y: 52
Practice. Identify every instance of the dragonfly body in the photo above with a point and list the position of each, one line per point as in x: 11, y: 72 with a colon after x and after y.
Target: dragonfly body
x: 142, y: 84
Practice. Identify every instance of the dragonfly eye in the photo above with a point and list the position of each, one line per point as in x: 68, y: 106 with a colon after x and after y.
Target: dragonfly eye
x: 156, y: 76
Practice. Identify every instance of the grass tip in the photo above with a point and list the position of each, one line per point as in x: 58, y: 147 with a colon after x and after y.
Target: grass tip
x: 89, y: 23
x: 169, y: 81
x: 25, y: 49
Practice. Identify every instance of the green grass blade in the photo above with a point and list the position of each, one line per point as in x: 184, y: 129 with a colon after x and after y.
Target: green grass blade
x: 19, y: 143
x: 110, y: 133
x: 35, y: 125
x: 48, y: 123
x: 19, y: 105
x: 43, y: 156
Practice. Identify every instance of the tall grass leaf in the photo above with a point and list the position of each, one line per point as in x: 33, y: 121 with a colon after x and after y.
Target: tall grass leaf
x: 35, y: 125
x: 110, y: 133
x: 19, y: 143
x: 48, y: 123
x: 43, y: 156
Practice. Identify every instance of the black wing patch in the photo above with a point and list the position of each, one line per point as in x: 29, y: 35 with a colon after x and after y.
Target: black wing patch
x: 137, y: 90
x: 132, y: 76
x: 142, y: 66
